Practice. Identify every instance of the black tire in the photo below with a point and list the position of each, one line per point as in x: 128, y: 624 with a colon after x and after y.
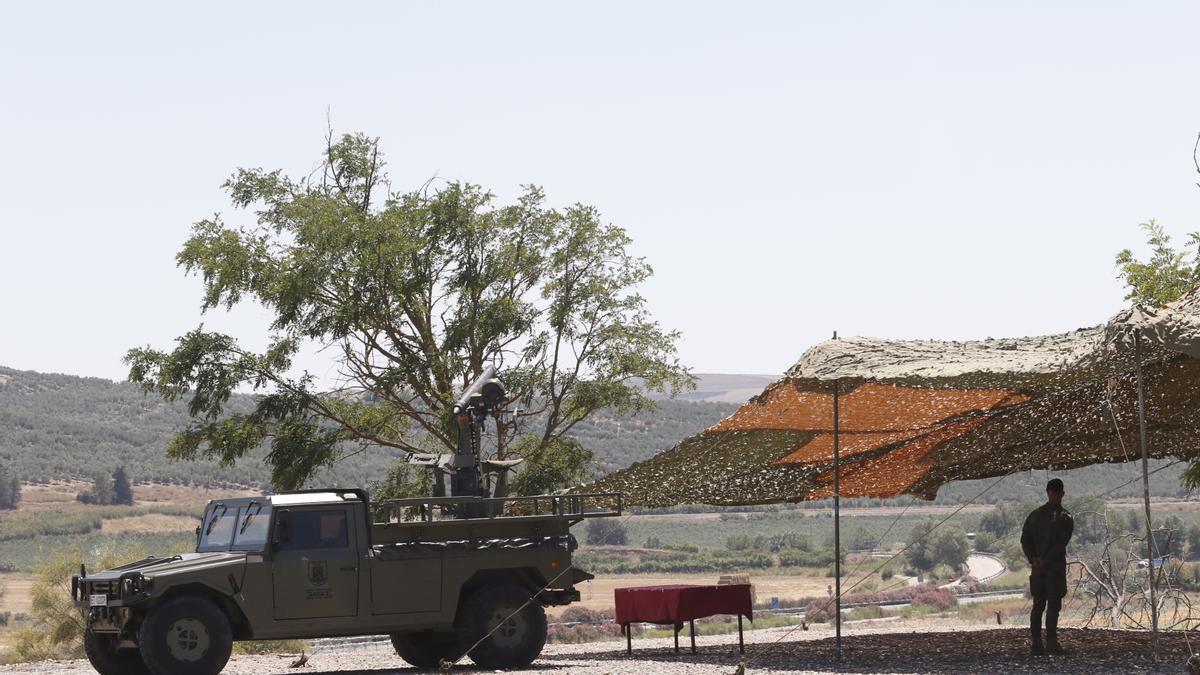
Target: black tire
x: 101, y: 650
x: 426, y: 649
x: 517, y: 642
x: 186, y: 636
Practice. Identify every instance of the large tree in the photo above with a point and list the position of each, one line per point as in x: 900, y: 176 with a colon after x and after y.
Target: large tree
x: 416, y: 293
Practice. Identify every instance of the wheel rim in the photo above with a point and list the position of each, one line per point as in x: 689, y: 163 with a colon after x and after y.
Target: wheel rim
x: 187, y: 639
x: 511, y: 630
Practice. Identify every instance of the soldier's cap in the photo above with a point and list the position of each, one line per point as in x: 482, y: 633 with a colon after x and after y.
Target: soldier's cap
x: 1055, y: 485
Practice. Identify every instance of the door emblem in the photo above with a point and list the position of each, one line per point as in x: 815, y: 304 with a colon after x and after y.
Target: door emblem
x: 318, y: 572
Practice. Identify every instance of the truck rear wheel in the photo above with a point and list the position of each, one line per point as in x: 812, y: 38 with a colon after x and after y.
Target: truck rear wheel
x: 107, y: 659
x: 186, y: 636
x: 519, y: 628
x: 426, y: 649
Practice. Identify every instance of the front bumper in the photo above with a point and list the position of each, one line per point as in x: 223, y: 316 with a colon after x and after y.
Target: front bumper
x: 107, y: 599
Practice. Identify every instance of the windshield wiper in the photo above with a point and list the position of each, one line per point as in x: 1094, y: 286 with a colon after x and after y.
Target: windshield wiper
x: 216, y: 516
x: 250, y: 515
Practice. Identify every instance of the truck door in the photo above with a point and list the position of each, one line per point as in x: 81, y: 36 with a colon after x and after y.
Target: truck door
x: 314, y: 562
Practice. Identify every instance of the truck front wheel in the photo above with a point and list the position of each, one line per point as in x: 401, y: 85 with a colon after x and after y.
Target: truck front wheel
x: 107, y: 659
x: 426, y: 649
x: 515, y: 630
x: 186, y: 636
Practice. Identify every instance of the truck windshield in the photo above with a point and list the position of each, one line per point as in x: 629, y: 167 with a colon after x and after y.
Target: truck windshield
x: 253, y: 524
x: 243, y: 528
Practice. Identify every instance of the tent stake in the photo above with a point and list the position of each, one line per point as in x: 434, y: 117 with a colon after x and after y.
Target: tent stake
x: 1137, y: 349
x: 837, y: 515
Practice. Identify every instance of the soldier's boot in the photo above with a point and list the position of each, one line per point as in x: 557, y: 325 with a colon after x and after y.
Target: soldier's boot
x: 1052, y: 645
x: 1035, y: 629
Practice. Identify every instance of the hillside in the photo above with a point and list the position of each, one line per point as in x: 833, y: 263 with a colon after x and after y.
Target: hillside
x: 66, y: 427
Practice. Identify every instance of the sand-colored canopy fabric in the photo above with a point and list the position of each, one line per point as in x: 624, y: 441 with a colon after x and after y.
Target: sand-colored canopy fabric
x: 914, y: 415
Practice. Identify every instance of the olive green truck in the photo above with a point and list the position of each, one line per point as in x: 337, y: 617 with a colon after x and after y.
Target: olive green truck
x: 443, y: 576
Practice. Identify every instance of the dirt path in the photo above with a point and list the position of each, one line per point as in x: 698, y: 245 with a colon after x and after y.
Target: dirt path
x: 940, y: 650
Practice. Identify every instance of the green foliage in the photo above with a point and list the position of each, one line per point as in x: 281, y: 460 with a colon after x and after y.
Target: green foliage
x: 606, y: 532
x: 947, y: 545
x: 918, y: 556
x: 1192, y: 534
x: 75, y: 521
x: 26, y: 555
x: 108, y: 490
x: 418, y: 291
x: 950, y: 546
x: 122, y: 492
x: 10, y: 489
x: 805, y: 558
x: 985, y: 541
x: 403, y: 481
x: 773, y: 543
x: 559, y: 464
x: 1167, y: 275
x: 672, y: 562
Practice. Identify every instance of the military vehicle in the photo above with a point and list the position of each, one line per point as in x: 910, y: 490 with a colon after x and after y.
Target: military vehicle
x: 444, y: 576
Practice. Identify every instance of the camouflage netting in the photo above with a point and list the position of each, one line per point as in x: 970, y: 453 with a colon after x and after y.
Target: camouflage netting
x: 915, y: 415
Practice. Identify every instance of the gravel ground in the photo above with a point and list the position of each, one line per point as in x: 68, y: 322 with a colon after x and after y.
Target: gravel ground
x: 934, y: 650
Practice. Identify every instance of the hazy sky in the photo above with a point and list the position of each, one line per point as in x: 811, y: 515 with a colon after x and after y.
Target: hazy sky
x: 941, y: 170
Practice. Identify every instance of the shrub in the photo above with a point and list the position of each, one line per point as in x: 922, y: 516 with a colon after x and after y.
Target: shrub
x: 585, y: 615
x: 802, y: 558
x: 819, y: 610
x: 606, y: 532
x: 271, y: 647
x: 940, y: 598
x: 986, y: 541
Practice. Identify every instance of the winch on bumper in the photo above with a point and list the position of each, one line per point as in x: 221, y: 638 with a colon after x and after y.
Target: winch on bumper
x: 107, y: 597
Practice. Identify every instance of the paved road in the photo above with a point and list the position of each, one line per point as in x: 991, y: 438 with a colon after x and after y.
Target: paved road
x: 984, y: 567
x: 981, y: 566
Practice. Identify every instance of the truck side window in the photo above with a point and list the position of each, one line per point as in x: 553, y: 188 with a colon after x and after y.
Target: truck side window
x: 317, y: 529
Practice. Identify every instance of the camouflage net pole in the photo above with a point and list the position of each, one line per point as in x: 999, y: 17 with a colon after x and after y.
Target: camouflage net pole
x: 1150, y: 552
x: 837, y: 517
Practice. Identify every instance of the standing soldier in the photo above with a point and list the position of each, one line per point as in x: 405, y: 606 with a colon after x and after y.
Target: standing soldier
x: 1044, y: 539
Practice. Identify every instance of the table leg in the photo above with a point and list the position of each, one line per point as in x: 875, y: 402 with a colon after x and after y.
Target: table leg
x: 629, y: 639
x: 693, y: 626
x: 741, y: 641
x: 677, y: 629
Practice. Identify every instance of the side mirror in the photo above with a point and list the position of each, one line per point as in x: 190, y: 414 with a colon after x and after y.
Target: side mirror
x: 283, y: 528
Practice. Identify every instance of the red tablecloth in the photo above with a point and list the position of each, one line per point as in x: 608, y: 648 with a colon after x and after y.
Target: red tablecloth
x: 681, y: 603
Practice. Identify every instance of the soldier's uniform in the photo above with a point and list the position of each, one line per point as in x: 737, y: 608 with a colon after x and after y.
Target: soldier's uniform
x: 1045, y: 536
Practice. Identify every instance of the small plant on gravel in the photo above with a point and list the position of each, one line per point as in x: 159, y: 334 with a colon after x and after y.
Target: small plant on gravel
x: 271, y: 647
